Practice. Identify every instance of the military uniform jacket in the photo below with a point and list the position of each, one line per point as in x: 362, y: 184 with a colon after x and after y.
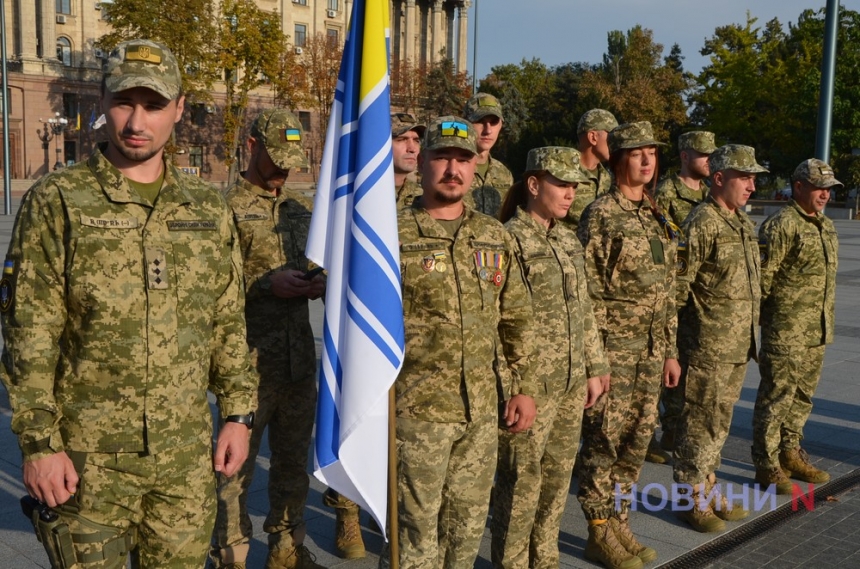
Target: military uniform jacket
x: 677, y: 199
x: 461, y: 297
x: 124, y: 314
x: 798, y: 278
x: 408, y: 193
x: 587, y: 192
x: 273, y: 231
x: 486, y: 194
x: 630, y: 265
x: 554, y: 266
x: 718, y: 286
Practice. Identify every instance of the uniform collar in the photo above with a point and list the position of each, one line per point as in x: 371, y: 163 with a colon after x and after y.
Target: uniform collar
x: 116, y: 187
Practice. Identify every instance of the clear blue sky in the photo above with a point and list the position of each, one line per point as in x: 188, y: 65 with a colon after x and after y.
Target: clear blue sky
x: 561, y: 31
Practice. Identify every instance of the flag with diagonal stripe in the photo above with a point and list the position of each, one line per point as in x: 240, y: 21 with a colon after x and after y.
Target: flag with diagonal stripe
x: 353, y: 235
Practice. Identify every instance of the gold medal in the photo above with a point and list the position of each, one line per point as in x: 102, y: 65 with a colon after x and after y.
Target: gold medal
x: 441, y: 267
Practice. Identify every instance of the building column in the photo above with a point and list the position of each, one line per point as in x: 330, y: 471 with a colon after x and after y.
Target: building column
x: 449, y: 32
x: 438, y: 34
x: 463, y: 36
x: 409, y: 39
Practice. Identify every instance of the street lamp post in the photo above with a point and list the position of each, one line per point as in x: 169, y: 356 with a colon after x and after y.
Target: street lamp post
x: 53, y: 130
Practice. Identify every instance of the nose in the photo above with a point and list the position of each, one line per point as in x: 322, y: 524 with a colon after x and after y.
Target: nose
x: 135, y: 122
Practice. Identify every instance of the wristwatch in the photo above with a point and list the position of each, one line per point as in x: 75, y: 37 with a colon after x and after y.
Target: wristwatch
x: 247, y: 420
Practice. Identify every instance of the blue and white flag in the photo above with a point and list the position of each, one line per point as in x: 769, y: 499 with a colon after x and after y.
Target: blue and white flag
x: 353, y: 235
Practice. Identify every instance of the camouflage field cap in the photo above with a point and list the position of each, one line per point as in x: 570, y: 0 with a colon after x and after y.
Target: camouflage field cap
x: 450, y: 132
x: 632, y: 135
x: 482, y: 105
x: 560, y: 161
x: 142, y: 63
x: 281, y: 133
x: 596, y: 119
x: 701, y: 141
x: 735, y: 157
x: 404, y: 122
x: 817, y: 173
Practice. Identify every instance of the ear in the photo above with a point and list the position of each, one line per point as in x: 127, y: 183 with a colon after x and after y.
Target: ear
x: 180, y: 108
x: 592, y: 137
x: 251, y: 143
x: 717, y: 178
x: 532, y: 185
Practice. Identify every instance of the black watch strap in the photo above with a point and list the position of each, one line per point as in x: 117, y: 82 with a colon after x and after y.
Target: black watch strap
x: 247, y: 420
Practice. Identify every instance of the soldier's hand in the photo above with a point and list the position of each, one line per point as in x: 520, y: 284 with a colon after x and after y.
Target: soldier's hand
x: 671, y: 372
x: 232, y: 448
x: 605, y: 381
x: 520, y: 413
x: 593, y: 390
x: 317, y: 288
x: 289, y: 284
x: 51, y: 479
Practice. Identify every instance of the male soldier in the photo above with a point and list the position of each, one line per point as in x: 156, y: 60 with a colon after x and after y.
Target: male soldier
x: 676, y: 196
x: 492, y: 179
x: 592, y: 133
x: 272, y: 222
x: 463, y: 294
x: 406, y: 135
x: 798, y: 284
x: 718, y: 286
x: 122, y: 305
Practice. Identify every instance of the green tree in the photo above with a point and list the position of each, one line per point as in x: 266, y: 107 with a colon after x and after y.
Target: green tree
x: 446, y: 91
x: 320, y: 65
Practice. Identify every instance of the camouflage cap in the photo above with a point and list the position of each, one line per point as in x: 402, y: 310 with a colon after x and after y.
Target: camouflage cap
x: 450, y: 132
x: 482, y: 105
x: 817, y: 173
x: 701, y: 141
x: 632, y: 135
x: 281, y: 134
x: 142, y: 63
x: 596, y: 119
x: 560, y: 161
x: 404, y: 122
x: 735, y: 157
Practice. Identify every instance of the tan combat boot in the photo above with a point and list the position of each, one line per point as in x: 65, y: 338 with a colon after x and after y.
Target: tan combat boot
x: 764, y: 477
x: 298, y: 557
x: 230, y: 557
x: 720, y: 504
x: 795, y: 463
x: 656, y: 454
x: 603, y: 547
x: 348, y: 541
x: 620, y: 526
x: 701, y: 517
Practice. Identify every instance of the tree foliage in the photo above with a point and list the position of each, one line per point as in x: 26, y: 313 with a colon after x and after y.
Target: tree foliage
x: 320, y: 65
x: 445, y: 90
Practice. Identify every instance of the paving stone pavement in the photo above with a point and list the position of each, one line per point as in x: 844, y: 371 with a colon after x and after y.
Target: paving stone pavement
x: 829, y: 536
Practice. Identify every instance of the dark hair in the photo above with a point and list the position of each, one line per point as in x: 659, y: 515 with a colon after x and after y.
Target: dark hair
x: 619, y: 159
x: 518, y: 195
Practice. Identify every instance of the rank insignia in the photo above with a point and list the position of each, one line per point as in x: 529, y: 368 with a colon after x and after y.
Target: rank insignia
x: 157, y: 268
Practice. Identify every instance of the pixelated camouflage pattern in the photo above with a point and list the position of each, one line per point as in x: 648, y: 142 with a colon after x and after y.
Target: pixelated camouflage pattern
x: 559, y: 161
x: 404, y: 122
x: 596, y: 119
x: 735, y: 157
x: 599, y: 182
x: 718, y: 286
x: 481, y: 105
x: 454, y: 319
x: 143, y: 63
x: 438, y: 136
x: 281, y: 133
x: 676, y: 199
x: 816, y: 172
x: 125, y: 314
x: 408, y: 193
x: 487, y: 193
x: 632, y: 135
x: 701, y: 141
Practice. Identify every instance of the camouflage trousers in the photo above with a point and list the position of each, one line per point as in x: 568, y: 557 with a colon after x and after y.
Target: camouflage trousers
x: 710, y: 394
x: 444, y: 476
x: 532, y: 483
x: 789, y: 377
x: 672, y: 405
x: 287, y: 409
x: 166, y: 499
x: 616, y: 432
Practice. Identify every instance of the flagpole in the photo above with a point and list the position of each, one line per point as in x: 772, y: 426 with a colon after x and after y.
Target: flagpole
x: 393, y: 525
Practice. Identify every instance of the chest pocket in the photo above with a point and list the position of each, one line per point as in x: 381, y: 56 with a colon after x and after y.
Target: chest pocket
x: 541, y: 271
x: 632, y: 267
x: 809, y: 259
x: 427, y: 278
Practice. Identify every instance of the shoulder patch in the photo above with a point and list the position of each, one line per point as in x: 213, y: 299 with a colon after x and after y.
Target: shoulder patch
x: 681, y: 262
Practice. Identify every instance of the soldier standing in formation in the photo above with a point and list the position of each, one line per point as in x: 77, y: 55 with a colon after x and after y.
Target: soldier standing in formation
x: 492, y: 178
x: 123, y: 304
x: 592, y: 132
x: 718, y: 290
x: 534, y: 469
x: 630, y: 263
x: 463, y: 294
x: 406, y: 134
x: 798, y: 285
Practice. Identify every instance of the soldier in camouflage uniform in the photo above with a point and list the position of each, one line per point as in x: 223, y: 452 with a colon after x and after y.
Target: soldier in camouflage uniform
x: 718, y: 290
x: 592, y: 133
x: 272, y: 222
x: 406, y: 135
x: 630, y: 263
x: 492, y: 178
x: 676, y: 196
x: 122, y: 304
x: 798, y: 286
x: 463, y: 295
x: 534, y: 469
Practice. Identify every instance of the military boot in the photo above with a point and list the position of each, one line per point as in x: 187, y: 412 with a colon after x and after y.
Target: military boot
x: 298, y: 557
x: 603, y: 547
x: 795, y: 463
x: 701, y: 516
x: 620, y: 526
x: 229, y: 557
x: 720, y: 504
x: 348, y: 541
x: 764, y: 477
x: 656, y: 454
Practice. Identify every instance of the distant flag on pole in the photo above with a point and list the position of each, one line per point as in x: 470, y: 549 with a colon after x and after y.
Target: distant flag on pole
x: 353, y: 234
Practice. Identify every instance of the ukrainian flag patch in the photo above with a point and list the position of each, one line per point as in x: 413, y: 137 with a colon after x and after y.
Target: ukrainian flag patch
x: 455, y: 128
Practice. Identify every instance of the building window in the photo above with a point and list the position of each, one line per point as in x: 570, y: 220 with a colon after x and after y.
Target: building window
x: 301, y: 2
x: 333, y: 4
x: 332, y: 37
x: 70, y: 152
x: 64, y: 51
x: 301, y: 35
x: 64, y: 6
x: 305, y: 119
x: 70, y: 107
x: 195, y: 157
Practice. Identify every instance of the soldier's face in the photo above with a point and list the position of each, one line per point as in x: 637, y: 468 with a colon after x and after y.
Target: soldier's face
x: 809, y: 198
x: 447, y: 173
x: 551, y: 198
x: 733, y: 188
x: 139, y: 122
x: 641, y: 164
x: 263, y: 171
x: 697, y: 164
x: 488, y: 129
x: 601, y: 146
x: 405, y: 152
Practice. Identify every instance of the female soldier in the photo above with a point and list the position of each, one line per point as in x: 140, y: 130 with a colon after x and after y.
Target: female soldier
x: 630, y: 263
x: 534, y: 469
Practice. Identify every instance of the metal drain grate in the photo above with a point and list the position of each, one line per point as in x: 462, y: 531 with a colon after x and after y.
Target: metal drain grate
x: 735, y: 539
